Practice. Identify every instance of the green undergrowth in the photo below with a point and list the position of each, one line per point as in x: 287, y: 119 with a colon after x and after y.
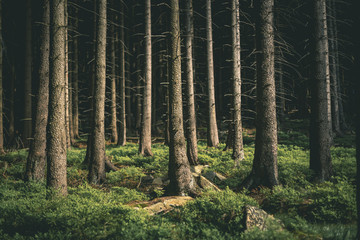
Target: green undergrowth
x: 307, y: 210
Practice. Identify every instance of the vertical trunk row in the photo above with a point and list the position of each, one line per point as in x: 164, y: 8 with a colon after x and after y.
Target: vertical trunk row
x: 122, y: 115
x: 320, y: 139
x: 212, y: 131
x: 238, y: 150
x: 181, y: 180
x: 191, y: 138
x: 97, y: 145
x: 145, y: 134
x: 56, y: 145
x: 36, y: 161
x: 27, y: 120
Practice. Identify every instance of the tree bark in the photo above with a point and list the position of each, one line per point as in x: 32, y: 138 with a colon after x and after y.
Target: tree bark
x: 1, y: 87
x: 320, y: 139
x: 75, y: 82
x: 265, y: 171
x: 36, y: 161
x: 212, y: 131
x: 181, y: 180
x: 56, y: 141
x: 238, y: 148
x: 145, y: 134
x: 191, y: 138
x: 97, y: 153
x: 113, y: 124
x: 67, y: 84
x: 122, y: 115
x: 27, y: 120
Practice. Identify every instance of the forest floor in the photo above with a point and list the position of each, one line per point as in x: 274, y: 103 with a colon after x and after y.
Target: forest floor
x: 307, y: 210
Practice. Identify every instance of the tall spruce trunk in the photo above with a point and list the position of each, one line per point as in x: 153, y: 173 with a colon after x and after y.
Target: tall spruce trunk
x: 320, y: 139
x: 67, y: 84
x: 265, y: 171
x: 75, y: 82
x: 190, y: 132
x: 36, y: 161
x: 212, y: 130
x: 113, y: 123
x: 97, y: 153
x: 122, y: 115
x: 56, y: 141
x: 181, y: 179
x: 27, y: 120
x: 145, y: 134
x: 1, y: 88
x: 238, y: 148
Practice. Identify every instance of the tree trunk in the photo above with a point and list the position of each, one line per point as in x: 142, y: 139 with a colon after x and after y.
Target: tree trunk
x: 122, y: 115
x: 320, y: 139
x: 181, y: 180
x: 27, y: 120
x: 97, y: 153
x: 75, y: 82
x: 265, y: 171
x: 67, y: 85
x: 113, y: 124
x: 1, y: 87
x: 36, y: 161
x: 212, y: 131
x: 145, y: 134
x: 238, y: 148
x: 56, y: 142
x: 191, y: 138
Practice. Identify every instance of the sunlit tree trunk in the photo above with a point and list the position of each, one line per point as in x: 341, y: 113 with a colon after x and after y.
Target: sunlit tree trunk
x: 56, y: 141
x: 113, y: 123
x: 36, y: 161
x: 145, y: 134
x: 181, y: 180
x: 190, y: 132
x: 27, y: 120
x: 265, y: 171
x: 212, y: 131
x: 67, y: 85
x: 238, y: 150
x: 320, y: 139
x: 1, y: 88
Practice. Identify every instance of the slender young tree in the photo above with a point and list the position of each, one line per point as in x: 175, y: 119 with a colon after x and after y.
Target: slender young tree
x: 97, y: 153
x: 56, y: 141
x: 75, y: 79
x: 181, y: 180
x: 145, y: 134
x: 238, y: 150
x: 113, y: 123
x: 36, y: 161
x: 190, y: 132
x: 264, y: 171
x: 67, y: 84
x: 122, y: 115
x: 320, y: 139
x: 27, y: 120
x: 1, y: 88
x: 212, y: 131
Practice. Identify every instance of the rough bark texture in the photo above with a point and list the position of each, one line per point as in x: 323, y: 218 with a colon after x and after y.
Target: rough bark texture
x: 97, y: 153
x: 145, y: 134
x: 190, y: 132
x: 27, y: 120
x: 265, y: 171
x: 320, y: 139
x: 75, y: 81
x: 238, y: 148
x: 1, y: 87
x: 67, y: 84
x: 113, y: 123
x: 56, y: 142
x: 122, y: 114
x: 36, y: 161
x: 181, y: 180
x: 212, y: 131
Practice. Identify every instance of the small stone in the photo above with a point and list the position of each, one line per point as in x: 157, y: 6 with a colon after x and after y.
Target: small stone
x: 205, y: 183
